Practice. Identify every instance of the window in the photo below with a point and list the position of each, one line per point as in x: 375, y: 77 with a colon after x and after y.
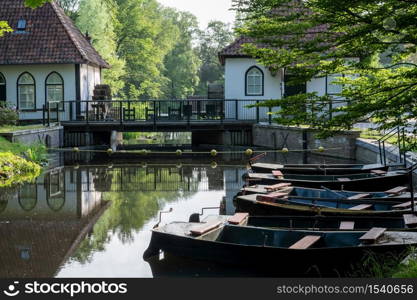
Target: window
x: 2, y: 88
x: 254, y: 82
x: 26, y: 91
x: 28, y: 197
x: 292, y: 89
x: 54, y: 88
x: 21, y: 25
x: 332, y: 88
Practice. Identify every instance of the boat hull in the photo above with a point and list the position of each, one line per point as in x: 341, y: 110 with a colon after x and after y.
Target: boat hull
x: 295, y: 262
x: 373, y: 184
x: 255, y: 208
x: 319, y: 170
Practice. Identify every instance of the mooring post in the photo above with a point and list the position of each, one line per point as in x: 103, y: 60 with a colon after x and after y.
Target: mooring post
x: 49, y: 115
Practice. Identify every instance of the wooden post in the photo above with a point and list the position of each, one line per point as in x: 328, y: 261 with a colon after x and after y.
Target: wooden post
x: 57, y: 112
x: 257, y: 112
x: 43, y: 115
x: 87, y: 113
x: 121, y: 112
x: 270, y: 115
x: 70, y: 111
x: 413, y: 202
x: 237, y: 109
x: 49, y: 115
x: 154, y: 114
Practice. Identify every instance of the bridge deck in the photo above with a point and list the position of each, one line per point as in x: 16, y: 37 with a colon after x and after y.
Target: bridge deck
x: 167, y: 126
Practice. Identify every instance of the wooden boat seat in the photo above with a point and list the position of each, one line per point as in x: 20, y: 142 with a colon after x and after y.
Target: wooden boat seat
x: 205, y: 228
x: 306, y: 242
x: 403, y: 205
x: 258, y: 157
x: 372, y: 235
x: 361, y: 207
x: 410, y: 220
x: 271, y: 197
x: 277, y: 187
x: 347, y: 225
x: 379, y: 172
x: 359, y: 196
x: 238, y: 218
x: 277, y: 173
x: 397, y: 190
x: 344, y: 179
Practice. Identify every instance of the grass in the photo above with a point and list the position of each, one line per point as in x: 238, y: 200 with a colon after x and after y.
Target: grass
x: 7, y: 129
x: 35, y: 153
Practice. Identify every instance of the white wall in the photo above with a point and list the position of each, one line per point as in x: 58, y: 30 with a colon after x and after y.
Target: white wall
x: 39, y: 72
x: 89, y: 77
x: 235, y: 71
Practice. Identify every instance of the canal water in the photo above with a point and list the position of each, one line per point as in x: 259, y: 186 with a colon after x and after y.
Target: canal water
x: 93, y: 217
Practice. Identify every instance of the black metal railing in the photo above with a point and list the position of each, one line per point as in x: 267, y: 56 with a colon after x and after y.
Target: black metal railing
x: 398, y: 134
x: 155, y: 111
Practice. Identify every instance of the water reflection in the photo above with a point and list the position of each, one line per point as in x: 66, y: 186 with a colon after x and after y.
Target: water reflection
x: 71, y: 218
x: 96, y: 220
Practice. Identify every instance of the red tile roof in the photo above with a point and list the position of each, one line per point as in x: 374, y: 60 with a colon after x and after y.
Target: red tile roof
x: 235, y: 50
x: 50, y: 37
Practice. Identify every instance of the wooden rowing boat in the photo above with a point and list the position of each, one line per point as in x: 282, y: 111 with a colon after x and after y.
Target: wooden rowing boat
x: 398, y: 194
x: 353, y: 182
x: 257, y: 206
x: 318, y: 169
x: 296, y: 251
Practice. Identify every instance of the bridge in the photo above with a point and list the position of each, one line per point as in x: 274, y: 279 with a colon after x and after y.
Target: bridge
x: 154, y: 115
x: 208, y: 120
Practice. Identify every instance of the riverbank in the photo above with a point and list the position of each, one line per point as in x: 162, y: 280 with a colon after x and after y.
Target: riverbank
x: 19, y: 163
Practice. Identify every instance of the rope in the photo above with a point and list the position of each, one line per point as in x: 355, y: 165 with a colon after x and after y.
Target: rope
x: 248, y: 152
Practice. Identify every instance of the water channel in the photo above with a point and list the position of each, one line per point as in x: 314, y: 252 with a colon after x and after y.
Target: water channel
x: 92, y: 216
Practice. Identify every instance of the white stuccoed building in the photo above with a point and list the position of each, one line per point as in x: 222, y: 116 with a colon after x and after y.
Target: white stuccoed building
x: 246, y: 79
x: 45, y: 58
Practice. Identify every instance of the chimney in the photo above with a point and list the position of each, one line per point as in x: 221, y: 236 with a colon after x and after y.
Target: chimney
x: 88, y: 37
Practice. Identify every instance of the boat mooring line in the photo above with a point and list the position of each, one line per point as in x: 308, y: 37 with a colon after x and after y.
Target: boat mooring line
x: 248, y: 152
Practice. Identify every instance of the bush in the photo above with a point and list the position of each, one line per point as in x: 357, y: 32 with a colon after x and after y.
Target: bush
x: 15, y: 170
x: 8, y: 115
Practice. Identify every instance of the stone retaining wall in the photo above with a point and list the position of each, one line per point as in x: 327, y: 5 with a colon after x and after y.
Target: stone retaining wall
x: 52, y: 137
x: 294, y: 138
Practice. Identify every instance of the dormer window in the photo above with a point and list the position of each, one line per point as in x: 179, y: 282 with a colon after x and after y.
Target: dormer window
x: 21, y: 25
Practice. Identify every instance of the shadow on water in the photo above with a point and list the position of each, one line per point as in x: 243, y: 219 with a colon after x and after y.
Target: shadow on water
x: 93, y: 218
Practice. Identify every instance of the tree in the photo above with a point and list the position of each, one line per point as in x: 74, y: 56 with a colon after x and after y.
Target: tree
x: 216, y: 37
x: 145, y: 37
x: 4, y: 28
x: 96, y: 18
x: 314, y: 38
x: 70, y: 7
x: 182, y: 64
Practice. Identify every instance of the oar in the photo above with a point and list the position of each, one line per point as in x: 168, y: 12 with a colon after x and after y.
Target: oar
x: 334, y: 193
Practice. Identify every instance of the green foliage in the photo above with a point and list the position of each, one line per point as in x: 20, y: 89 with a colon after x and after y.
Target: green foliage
x: 216, y: 36
x: 145, y: 35
x: 4, y: 28
x: 182, y: 64
x: 97, y: 18
x: 380, y: 82
x: 36, y: 153
x: 35, y: 3
x: 8, y: 115
x: 15, y: 170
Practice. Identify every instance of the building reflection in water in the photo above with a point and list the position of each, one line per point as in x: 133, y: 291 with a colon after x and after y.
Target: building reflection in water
x: 41, y: 224
x: 45, y: 224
